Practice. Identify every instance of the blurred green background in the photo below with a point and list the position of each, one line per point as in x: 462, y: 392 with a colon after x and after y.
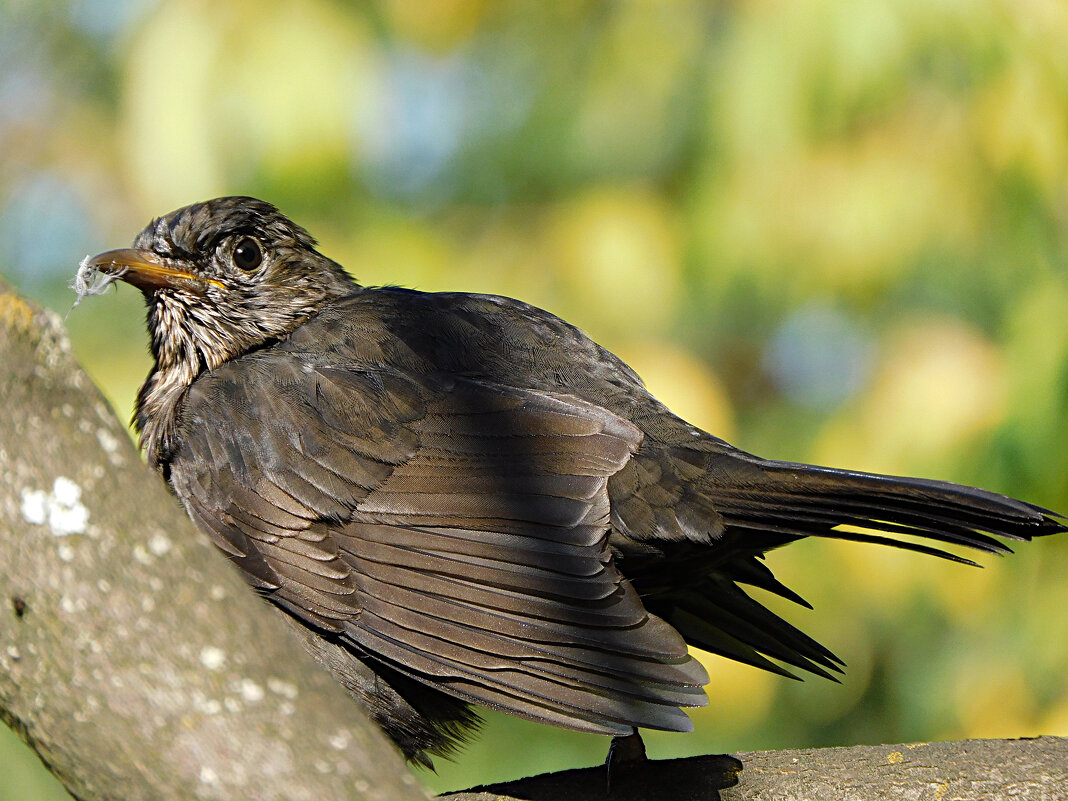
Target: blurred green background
x: 826, y: 230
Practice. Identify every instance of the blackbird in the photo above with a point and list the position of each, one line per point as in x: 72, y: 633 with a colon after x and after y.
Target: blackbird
x: 462, y: 499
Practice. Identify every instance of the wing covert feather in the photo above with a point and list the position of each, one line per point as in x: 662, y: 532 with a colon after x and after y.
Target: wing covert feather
x: 454, y: 529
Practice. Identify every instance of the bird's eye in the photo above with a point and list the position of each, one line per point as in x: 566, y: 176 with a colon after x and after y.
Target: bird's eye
x: 247, y: 254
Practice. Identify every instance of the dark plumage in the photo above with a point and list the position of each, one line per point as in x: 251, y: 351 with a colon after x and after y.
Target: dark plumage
x: 463, y: 499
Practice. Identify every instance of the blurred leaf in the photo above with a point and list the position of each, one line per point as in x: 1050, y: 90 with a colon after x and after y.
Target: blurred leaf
x: 683, y: 383
x: 619, y: 248
x: 939, y: 384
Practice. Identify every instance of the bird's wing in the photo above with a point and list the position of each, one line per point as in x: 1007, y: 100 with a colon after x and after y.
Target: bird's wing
x: 454, y: 529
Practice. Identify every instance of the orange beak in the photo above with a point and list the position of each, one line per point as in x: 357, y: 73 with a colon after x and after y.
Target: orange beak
x: 147, y: 270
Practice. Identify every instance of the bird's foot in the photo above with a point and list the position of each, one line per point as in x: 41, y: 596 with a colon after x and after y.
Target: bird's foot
x: 625, y: 750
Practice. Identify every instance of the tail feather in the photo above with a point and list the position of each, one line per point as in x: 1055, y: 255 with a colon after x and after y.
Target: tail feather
x: 752, y: 506
x: 740, y: 616
x: 700, y: 634
x: 815, y: 501
x: 837, y: 510
x: 718, y: 616
x: 796, y: 524
x: 757, y: 574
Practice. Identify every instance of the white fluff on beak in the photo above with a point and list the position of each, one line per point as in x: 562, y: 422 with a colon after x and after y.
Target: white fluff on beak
x: 91, y: 281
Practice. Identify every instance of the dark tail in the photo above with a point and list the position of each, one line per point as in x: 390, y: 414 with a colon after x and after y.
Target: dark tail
x: 756, y: 505
x: 797, y: 500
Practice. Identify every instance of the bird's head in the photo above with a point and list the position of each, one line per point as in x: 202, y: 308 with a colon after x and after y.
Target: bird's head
x: 221, y: 278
